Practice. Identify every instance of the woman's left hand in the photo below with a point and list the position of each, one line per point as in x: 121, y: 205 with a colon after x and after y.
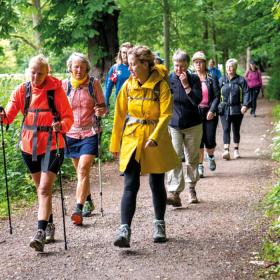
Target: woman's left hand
x: 56, y: 126
x: 244, y: 109
x: 99, y: 110
x: 150, y: 143
x: 210, y: 116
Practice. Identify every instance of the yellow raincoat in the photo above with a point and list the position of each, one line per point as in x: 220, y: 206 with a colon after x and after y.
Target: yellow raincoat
x: 136, y: 101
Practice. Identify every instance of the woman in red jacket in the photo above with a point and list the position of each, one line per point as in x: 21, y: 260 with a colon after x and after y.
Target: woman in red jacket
x: 38, y: 141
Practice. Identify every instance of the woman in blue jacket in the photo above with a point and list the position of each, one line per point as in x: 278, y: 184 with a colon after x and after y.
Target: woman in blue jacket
x: 235, y: 100
x: 118, y: 73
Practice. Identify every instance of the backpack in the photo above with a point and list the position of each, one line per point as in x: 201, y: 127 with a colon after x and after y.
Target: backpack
x: 114, y: 75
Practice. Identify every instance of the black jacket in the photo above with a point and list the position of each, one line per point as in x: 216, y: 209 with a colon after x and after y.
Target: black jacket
x: 185, y: 112
x: 235, y: 94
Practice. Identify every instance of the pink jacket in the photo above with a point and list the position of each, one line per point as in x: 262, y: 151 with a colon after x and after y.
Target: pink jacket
x: 82, y: 103
x: 254, y: 79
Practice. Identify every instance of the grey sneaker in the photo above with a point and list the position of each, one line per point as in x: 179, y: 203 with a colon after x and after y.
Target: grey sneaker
x: 88, y: 208
x: 211, y: 163
x: 159, y: 235
x: 38, y: 241
x: 123, y: 236
x: 193, y: 197
x: 174, y: 199
x: 200, y: 170
x: 226, y: 155
x: 50, y: 231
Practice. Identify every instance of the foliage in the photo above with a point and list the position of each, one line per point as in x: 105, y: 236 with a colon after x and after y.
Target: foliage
x: 271, y: 247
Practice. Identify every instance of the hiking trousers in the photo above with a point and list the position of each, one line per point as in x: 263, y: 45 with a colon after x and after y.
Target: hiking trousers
x: 185, y: 141
x: 131, y: 187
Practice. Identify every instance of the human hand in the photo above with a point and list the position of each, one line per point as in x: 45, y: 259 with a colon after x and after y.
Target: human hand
x: 210, y: 116
x: 150, y: 143
x: 99, y: 110
x: 184, y: 80
x: 244, y: 109
x: 56, y: 126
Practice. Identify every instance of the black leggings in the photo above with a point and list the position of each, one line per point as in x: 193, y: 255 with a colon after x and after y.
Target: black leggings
x: 235, y: 121
x: 131, y: 187
x: 209, y: 133
x: 254, y: 96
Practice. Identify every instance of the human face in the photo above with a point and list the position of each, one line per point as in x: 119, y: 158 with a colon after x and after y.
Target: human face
x: 231, y: 71
x: 124, y: 55
x: 38, y: 73
x: 199, y: 65
x: 253, y: 67
x: 78, y: 69
x: 211, y: 64
x: 139, y: 70
x: 180, y: 67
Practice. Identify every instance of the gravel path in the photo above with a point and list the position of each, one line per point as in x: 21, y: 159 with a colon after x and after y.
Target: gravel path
x: 215, y: 239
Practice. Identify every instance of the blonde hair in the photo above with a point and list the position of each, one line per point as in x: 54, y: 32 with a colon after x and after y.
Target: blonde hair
x: 143, y: 53
x: 41, y: 60
x: 80, y: 56
x: 119, y: 55
x: 233, y: 62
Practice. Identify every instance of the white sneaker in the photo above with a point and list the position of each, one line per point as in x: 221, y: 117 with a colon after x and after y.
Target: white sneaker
x: 200, y: 169
x: 226, y: 155
x: 236, y: 154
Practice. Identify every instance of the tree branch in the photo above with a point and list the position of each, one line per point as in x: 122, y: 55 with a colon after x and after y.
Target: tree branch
x: 25, y: 41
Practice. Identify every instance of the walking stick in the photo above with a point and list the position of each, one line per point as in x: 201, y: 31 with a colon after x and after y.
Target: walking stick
x: 5, y: 171
x: 98, y: 119
x: 61, y: 190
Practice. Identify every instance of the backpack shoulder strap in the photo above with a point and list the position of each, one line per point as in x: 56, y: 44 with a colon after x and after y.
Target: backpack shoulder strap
x: 91, y: 88
x: 28, y: 94
x: 50, y: 94
x: 156, y: 90
x: 69, y: 87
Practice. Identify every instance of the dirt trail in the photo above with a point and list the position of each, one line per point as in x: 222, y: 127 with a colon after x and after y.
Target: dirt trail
x: 215, y: 239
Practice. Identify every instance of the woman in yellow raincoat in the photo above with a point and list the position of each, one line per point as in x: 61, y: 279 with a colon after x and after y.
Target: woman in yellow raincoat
x: 141, y: 140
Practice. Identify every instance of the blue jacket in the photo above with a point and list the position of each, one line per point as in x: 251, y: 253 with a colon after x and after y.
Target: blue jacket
x: 215, y: 72
x: 185, y: 112
x: 122, y: 74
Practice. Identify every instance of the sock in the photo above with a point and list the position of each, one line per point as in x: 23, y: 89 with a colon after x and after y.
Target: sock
x: 42, y: 224
x: 235, y: 148
x: 80, y: 206
x: 51, y: 219
x: 89, y: 197
x: 211, y: 156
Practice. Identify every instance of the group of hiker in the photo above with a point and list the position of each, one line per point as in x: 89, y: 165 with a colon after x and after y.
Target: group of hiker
x: 160, y: 121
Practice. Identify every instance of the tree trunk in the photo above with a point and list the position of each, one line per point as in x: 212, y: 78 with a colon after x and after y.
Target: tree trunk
x: 225, y: 58
x: 248, y: 57
x: 205, y: 23
x: 166, y: 31
x: 214, y: 34
x: 103, y: 48
x: 36, y: 20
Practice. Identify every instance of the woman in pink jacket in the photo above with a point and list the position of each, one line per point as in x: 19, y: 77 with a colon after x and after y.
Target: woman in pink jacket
x: 87, y: 101
x: 254, y: 80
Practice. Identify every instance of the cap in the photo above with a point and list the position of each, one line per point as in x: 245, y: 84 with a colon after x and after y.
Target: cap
x: 199, y: 55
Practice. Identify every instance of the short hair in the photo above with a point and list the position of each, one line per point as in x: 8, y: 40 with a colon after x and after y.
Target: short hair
x: 233, y: 62
x: 143, y: 53
x: 211, y: 60
x: 181, y: 55
x: 80, y: 56
x: 39, y: 59
x: 119, y: 55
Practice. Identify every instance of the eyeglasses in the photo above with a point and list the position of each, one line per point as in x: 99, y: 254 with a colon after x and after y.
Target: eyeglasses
x: 199, y: 61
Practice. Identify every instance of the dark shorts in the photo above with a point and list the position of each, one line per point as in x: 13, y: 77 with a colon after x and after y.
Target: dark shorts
x: 37, y: 166
x: 75, y: 148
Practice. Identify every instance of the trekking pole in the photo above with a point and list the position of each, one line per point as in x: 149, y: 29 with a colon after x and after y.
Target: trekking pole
x: 5, y: 171
x: 61, y: 190
x: 98, y: 119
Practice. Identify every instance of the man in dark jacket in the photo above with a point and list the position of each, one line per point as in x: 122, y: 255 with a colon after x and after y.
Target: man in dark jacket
x: 185, y: 128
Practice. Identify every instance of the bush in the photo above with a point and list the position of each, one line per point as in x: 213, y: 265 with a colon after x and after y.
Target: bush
x: 273, y: 88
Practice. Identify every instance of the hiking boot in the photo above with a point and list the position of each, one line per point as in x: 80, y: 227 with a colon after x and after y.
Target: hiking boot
x: 159, y: 235
x: 200, y: 170
x: 123, y: 236
x: 174, y: 199
x: 88, y: 208
x: 236, y: 154
x: 211, y: 163
x: 226, y: 155
x: 77, y: 217
x: 38, y: 241
x: 50, y: 231
x: 193, y: 197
